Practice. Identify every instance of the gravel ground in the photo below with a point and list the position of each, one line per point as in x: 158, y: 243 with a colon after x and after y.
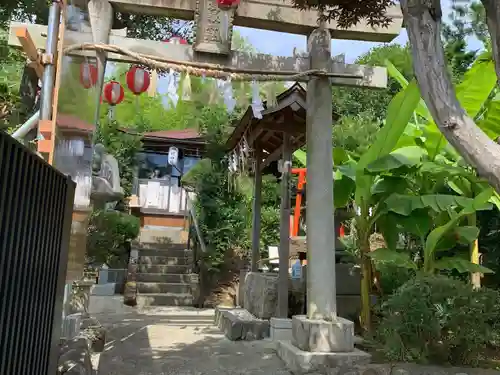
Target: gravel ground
x: 179, y: 341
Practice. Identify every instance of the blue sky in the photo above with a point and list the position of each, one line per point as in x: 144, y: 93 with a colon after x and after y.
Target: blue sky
x: 282, y: 44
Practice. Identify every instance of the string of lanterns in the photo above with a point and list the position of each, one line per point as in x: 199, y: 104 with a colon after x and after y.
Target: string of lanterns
x: 138, y: 81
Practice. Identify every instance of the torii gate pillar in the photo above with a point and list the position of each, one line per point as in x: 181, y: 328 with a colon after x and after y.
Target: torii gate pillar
x: 321, y: 296
x: 321, y: 338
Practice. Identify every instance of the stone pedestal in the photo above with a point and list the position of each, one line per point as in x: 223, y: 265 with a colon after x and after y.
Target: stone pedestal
x: 322, y: 336
x: 318, y: 346
x: 281, y: 329
x: 300, y: 362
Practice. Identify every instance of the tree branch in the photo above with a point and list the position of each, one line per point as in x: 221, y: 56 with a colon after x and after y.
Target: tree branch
x: 423, y: 24
x: 492, y: 8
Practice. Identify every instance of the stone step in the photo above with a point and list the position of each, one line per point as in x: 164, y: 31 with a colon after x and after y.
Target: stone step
x: 154, y: 268
x: 163, y: 236
x: 159, y: 246
x: 176, y: 278
x: 164, y: 260
x: 167, y: 252
x: 168, y: 299
x: 153, y: 287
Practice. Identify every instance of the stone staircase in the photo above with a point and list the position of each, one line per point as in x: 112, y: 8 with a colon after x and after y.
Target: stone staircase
x: 164, y: 271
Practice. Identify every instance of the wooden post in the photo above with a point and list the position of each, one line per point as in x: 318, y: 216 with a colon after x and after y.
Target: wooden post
x: 57, y: 85
x: 284, y: 249
x: 153, y: 85
x: 256, y: 211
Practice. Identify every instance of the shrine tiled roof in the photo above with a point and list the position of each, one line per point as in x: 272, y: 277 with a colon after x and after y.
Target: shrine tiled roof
x: 73, y: 123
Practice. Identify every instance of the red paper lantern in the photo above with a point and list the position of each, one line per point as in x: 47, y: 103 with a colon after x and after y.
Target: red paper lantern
x: 88, y: 75
x: 113, y: 93
x: 342, y: 231
x: 176, y: 40
x: 226, y: 4
x: 137, y: 80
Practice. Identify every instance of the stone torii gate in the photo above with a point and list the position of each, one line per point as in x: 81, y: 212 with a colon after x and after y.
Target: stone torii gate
x: 320, y: 335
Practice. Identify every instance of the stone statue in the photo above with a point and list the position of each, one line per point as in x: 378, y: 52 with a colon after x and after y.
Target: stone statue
x: 105, y: 178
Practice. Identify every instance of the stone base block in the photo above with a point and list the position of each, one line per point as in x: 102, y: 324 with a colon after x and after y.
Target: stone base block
x: 218, y: 314
x: 321, y: 335
x: 281, y: 329
x: 300, y: 362
x: 239, y: 324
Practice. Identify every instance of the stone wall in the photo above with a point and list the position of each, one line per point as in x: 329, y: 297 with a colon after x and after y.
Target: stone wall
x: 258, y: 293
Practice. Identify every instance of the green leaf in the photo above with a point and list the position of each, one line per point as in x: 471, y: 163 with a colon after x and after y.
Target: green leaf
x: 437, y: 234
x: 490, y: 124
x: 392, y: 257
x: 399, y: 114
x: 388, y: 225
x: 406, y: 204
x: 389, y: 184
x: 396, y: 74
x: 340, y: 156
x: 472, y: 93
x: 461, y: 265
x: 477, y: 85
x: 447, y: 171
x: 495, y: 199
x: 343, y: 189
x: 418, y: 223
x: 301, y: 156
x: 348, y: 170
x: 466, y: 234
x: 401, y: 157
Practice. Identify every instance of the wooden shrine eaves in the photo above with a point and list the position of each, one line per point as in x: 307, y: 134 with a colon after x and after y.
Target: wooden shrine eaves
x: 371, y: 77
x: 274, y: 15
x: 288, y: 116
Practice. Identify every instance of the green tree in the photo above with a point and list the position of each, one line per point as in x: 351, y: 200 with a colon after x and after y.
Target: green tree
x: 11, y: 111
x: 370, y: 103
x: 455, y: 43
x: 473, y: 16
x: 124, y: 147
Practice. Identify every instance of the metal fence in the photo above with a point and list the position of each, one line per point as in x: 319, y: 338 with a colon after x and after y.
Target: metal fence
x: 36, y: 204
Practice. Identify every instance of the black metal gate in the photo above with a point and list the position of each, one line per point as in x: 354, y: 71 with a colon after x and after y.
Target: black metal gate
x: 36, y: 205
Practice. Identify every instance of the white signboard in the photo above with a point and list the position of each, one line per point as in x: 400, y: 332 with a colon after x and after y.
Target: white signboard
x: 173, y: 156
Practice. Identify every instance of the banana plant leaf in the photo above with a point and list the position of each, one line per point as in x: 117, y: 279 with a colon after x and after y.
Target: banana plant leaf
x: 459, y: 264
x: 387, y: 256
x: 401, y: 157
x: 437, y: 234
x: 399, y: 113
x: 406, y: 204
x: 472, y: 93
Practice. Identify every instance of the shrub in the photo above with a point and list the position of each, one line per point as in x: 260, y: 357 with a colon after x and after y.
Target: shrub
x: 393, y: 277
x: 435, y: 319
x: 108, y: 235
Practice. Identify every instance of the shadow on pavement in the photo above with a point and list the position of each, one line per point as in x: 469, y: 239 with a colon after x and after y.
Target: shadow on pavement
x: 151, y: 344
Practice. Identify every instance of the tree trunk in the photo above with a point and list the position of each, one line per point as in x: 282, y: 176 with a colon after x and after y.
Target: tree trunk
x: 492, y: 8
x: 423, y: 24
x: 366, y: 275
